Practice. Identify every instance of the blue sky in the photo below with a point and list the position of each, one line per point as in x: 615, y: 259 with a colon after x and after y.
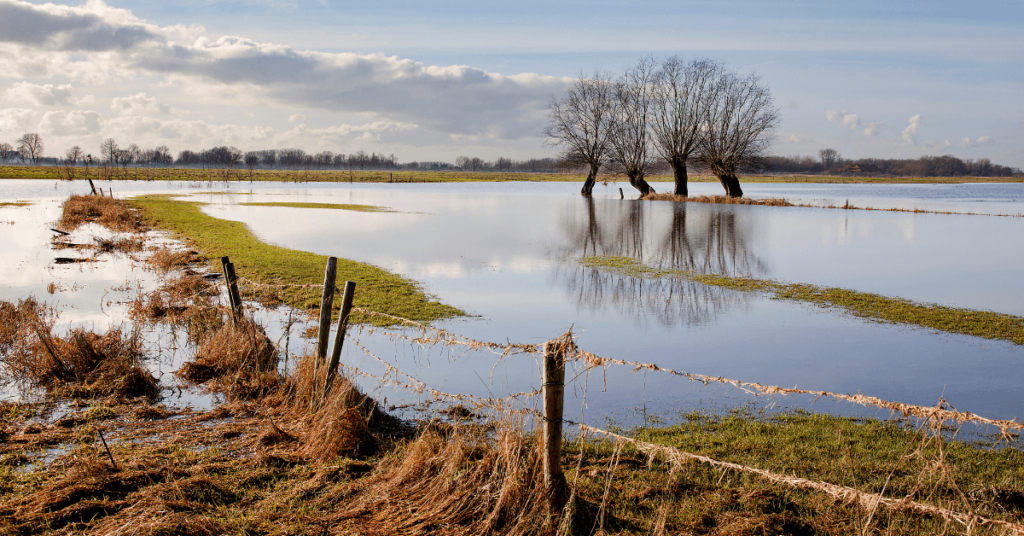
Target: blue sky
x: 434, y: 80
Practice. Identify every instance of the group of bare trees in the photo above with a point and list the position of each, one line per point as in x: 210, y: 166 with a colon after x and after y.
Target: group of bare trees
x: 675, y: 112
x: 29, y: 149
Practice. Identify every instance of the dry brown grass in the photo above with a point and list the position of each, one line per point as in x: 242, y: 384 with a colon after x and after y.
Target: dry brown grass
x: 719, y: 199
x: 187, y: 300
x: 166, y: 259
x: 80, y: 364
x: 114, y: 214
x: 238, y: 359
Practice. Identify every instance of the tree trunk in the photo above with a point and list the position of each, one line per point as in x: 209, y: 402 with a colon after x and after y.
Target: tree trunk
x: 731, y: 184
x: 679, y: 170
x: 588, y: 185
x: 637, y: 181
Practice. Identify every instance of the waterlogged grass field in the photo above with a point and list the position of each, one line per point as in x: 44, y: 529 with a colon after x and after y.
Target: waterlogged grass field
x: 285, y: 275
x: 987, y: 324
x: 362, y: 176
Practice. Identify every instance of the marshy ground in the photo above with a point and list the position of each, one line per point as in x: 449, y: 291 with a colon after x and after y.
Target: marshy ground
x: 99, y: 453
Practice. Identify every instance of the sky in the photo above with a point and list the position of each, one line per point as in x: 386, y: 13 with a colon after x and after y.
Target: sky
x: 430, y: 81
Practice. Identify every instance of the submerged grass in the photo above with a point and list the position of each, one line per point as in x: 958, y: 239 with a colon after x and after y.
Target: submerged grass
x: 987, y: 324
x: 284, y: 275
x: 288, y: 175
x: 336, y: 206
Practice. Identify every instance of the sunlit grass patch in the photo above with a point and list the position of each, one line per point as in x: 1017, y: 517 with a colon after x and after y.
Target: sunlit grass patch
x: 282, y: 275
x: 16, y: 204
x: 987, y: 324
x: 336, y: 206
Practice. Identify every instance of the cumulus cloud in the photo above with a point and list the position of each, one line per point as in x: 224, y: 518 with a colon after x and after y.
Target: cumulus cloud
x: 45, y: 95
x: 831, y: 115
x: 15, y: 121
x: 793, y: 138
x: 910, y: 133
x: 851, y: 121
x: 296, y: 118
x: 70, y: 123
x: 454, y: 99
x: 139, y: 104
x: 872, y: 129
x: 977, y: 142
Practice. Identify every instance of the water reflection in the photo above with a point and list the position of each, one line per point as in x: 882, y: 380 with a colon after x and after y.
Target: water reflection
x: 706, y: 239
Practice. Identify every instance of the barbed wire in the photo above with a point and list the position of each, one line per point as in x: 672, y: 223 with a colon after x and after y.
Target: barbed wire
x: 868, y: 500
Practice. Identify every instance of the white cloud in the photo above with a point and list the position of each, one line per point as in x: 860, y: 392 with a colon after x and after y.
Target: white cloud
x: 977, y: 142
x: 872, y: 129
x: 296, y: 118
x: 453, y: 99
x: 793, y: 138
x: 14, y: 122
x: 45, y: 95
x: 139, y: 104
x: 851, y: 121
x: 70, y: 123
x: 910, y: 132
x: 831, y: 115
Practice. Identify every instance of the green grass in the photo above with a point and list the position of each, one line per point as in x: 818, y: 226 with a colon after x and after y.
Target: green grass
x: 16, y: 204
x: 285, y: 175
x: 267, y: 264
x: 987, y: 324
x: 336, y: 206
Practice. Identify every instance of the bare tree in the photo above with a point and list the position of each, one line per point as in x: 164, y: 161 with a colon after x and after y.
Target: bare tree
x: 630, y: 142
x: 30, y: 145
x: 269, y: 158
x: 108, y: 150
x: 6, y: 151
x: 71, y: 159
x: 579, y: 124
x: 252, y: 159
x: 682, y: 93
x: 829, y: 158
x: 739, y: 127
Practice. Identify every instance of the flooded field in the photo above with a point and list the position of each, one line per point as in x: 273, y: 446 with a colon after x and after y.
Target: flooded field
x: 509, y: 254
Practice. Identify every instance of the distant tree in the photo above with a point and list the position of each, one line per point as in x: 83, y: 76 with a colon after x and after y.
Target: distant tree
x: 30, y: 145
x: 108, y: 150
x: 739, y: 127
x: 252, y: 159
x: 269, y: 158
x: 629, y: 133
x: 462, y: 162
x: 682, y: 93
x: 829, y: 158
x: 71, y: 159
x: 6, y: 151
x: 162, y: 156
x: 579, y: 124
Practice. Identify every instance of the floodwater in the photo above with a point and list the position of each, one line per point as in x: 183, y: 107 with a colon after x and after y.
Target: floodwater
x: 508, y: 254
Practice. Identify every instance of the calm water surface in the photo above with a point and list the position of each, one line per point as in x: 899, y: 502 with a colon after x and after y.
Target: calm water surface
x: 509, y: 255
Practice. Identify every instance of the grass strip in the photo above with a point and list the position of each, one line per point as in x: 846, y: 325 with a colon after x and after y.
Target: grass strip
x: 336, y: 206
x: 987, y: 324
x: 277, y: 267
x: 16, y: 204
x: 337, y: 175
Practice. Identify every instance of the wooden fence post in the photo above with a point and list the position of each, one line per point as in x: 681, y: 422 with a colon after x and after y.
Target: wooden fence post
x: 339, y: 337
x: 554, y: 390
x: 326, y: 302
x: 232, y: 283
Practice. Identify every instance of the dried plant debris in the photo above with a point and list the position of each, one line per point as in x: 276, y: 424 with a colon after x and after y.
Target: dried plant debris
x: 79, y: 364
x: 114, y: 214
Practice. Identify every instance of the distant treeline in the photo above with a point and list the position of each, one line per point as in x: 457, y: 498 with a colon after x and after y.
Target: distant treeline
x: 926, y: 166
x: 111, y: 154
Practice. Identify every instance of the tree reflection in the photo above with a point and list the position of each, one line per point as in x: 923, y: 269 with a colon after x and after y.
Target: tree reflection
x: 705, y: 239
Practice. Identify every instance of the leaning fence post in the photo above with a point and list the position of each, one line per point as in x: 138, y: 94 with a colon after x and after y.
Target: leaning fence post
x: 554, y: 389
x: 232, y: 283
x: 339, y: 338
x: 326, y: 302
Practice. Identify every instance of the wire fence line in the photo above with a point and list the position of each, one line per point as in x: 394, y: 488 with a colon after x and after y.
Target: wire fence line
x: 870, y: 501
x: 565, y: 346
